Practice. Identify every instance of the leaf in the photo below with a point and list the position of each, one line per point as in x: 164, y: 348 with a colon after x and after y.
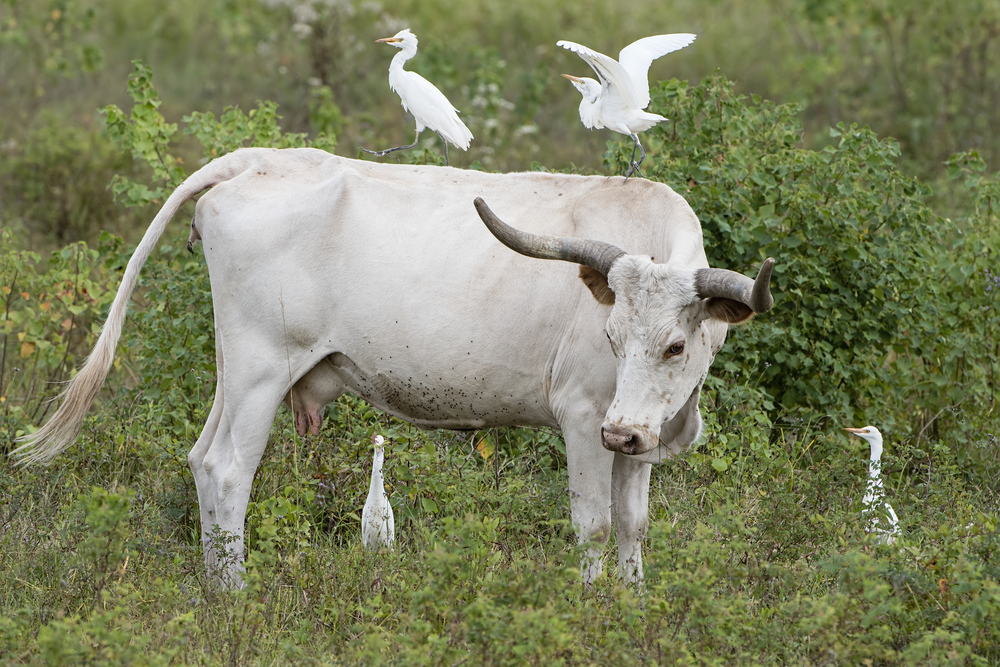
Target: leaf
x: 720, y: 464
x: 485, y: 449
x: 27, y: 349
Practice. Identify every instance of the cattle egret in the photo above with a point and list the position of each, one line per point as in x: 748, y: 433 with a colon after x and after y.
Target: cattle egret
x: 378, y: 527
x: 881, y: 519
x: 429, y: 106
x: 616, y: 102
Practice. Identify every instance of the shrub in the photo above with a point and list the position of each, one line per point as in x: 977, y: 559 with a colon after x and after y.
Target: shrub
x: 52, y: 183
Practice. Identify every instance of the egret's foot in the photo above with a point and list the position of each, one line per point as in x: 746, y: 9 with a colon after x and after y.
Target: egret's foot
x: 634, y: 169
x: 383, y: 153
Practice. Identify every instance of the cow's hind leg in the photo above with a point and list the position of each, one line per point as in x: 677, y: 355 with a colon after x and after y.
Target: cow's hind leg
x: 630, y: 513
x: 196, y: 460
x: 229, y: 466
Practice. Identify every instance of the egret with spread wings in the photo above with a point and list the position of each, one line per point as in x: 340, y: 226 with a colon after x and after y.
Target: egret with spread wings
x: 616, y: 102
x: 429, y: 106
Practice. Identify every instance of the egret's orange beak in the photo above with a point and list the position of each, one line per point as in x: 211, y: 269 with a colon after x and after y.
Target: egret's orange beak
x: 572, y: 78
x: 388, y: 40
x: 854, y: 430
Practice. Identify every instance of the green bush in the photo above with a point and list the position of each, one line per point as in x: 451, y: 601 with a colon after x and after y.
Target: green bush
x: 52, y: 183
x: 51, y: 316
x: 914, y: 69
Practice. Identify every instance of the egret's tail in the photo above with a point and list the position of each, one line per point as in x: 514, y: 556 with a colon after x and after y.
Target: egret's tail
x: 64, y: 426
x: 457, y: 133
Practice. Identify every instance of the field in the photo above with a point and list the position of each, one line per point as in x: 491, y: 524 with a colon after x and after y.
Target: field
x: 886, y: 312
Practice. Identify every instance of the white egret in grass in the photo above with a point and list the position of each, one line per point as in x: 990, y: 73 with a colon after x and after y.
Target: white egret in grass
x: 430, y: 108
x: 378, y: 526
x: 617, y: 100
x: 879, y: 515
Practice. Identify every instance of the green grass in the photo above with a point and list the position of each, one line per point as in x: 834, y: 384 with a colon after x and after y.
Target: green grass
x: 765, y: 563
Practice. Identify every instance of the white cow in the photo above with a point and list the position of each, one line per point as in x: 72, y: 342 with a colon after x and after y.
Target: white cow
x: 331, y: 275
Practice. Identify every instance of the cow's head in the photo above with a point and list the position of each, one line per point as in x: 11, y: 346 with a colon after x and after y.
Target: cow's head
x: 659, y: 328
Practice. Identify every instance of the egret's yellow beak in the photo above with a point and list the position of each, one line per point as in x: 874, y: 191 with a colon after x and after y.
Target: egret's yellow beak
x: 388, y: 40
x: 572, y: 78
x: 854, y: 430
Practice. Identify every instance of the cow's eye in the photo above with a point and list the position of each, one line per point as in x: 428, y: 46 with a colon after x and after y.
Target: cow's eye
x: 674, y: 350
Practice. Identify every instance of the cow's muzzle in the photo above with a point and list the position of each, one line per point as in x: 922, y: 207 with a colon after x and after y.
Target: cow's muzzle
x: 628, y: 440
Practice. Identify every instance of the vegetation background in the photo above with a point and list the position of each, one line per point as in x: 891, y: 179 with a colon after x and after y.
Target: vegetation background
x: 854, y: 140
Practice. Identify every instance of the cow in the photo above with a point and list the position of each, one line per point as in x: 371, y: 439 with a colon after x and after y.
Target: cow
x: 332, y: 275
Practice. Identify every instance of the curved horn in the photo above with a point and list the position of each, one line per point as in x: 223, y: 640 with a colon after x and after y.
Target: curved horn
x: 727, y: 284
x: 598, y: 255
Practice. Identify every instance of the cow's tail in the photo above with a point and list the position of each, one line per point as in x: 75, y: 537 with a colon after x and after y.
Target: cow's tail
x: 64, y: 426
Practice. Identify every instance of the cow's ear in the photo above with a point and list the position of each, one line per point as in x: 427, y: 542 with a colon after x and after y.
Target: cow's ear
x: 728, y: 310
x: 597, y: 283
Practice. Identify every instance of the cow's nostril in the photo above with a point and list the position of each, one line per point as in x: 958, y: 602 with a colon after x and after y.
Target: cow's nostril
x: 618, y: 440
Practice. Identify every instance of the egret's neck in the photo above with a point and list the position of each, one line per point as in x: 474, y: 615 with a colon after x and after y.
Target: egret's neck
x: 876, y: 451
x: 875, y: 460
x: 396, y: 70
x: 376, y: 482
x: 405, y: 53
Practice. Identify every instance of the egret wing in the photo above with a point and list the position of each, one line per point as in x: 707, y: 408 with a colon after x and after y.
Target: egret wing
x: 430, y: 108
x: 636, y: 58
x: 609, y: 71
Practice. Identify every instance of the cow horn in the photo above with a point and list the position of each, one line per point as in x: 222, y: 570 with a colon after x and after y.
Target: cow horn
x: 598, y: 255
x: 727, y: 284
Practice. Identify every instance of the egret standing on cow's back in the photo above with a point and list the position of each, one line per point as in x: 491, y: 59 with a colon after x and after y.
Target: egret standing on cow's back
x: 429, y: 106
x: 618, y: 99
x: 378, y: 526
x: 879, y: 515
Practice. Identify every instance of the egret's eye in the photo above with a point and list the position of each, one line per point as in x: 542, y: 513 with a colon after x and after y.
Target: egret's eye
x: 674, y: 350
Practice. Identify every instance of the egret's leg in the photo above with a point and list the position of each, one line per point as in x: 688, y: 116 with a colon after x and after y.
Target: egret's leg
x: 391, y: 150
x: 634, y: 166
x: 445, y: 147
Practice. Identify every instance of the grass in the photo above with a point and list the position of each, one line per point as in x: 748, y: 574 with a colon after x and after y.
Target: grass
x: 765, y: 563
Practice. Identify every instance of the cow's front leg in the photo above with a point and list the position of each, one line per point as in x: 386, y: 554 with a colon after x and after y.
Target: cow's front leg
x: 630, y: 512
x: 589, y: 467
